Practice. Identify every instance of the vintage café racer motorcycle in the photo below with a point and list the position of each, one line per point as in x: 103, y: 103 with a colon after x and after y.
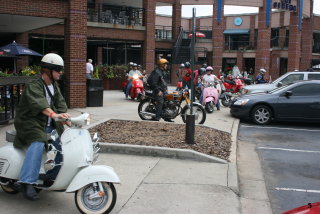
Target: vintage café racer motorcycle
x: 172, y: 107
x: 92, y: 184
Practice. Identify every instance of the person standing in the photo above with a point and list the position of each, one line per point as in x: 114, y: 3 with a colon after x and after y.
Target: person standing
x: 41, y: 102
x: 89, y: 69
x: 159, y: 87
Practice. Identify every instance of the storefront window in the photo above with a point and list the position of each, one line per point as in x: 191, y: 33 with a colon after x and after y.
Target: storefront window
x: 236, y: 41
x: 316, y: 43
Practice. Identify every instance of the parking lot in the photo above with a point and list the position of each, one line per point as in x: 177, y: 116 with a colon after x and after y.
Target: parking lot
x: 289, y: 155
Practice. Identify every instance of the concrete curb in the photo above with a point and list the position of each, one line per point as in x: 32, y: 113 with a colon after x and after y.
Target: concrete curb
x: 233, y: 182
x: 159, y: 152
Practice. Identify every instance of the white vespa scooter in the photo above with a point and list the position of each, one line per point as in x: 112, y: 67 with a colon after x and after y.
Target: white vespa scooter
x: 92, y: 184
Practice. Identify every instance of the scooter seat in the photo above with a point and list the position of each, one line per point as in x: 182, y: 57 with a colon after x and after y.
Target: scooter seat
x: 11, y: 135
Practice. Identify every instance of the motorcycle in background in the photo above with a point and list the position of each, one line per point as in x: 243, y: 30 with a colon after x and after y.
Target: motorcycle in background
x: 92, y: 184
x: 232, y: 90
x: 172, y: 107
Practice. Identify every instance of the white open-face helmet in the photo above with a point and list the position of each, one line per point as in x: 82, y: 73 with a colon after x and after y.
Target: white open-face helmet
x: 52, y: 61
x: 262, y: 70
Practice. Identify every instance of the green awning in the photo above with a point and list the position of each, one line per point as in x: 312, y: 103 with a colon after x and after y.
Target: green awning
x: 236, y: 31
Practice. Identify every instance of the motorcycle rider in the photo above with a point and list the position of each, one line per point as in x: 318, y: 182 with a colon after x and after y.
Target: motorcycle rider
x: 130, y: 78
x: 186, y: 75
x: 159, y: 86
x: 41, y: 102
x: 207, y: 78
x: 260, y: 78
x: 179, y: 75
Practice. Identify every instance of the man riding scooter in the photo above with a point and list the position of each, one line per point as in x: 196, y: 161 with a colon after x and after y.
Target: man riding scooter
x: 131, y: 77
x: 40, y: 104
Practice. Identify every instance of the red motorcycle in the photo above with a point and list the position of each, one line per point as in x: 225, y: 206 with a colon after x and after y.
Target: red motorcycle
x: 232, y: 87
x: 137, y: 89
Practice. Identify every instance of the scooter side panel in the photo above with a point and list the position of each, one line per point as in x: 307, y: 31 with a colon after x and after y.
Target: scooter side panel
x: 77, y: 153
x: 13, y: 159
x: 91, y: 174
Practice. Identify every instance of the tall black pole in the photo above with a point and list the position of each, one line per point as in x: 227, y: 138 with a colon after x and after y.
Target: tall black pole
x: 190, y: 118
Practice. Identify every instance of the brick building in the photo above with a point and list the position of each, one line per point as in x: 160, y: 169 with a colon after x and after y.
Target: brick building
x: 117, y: 32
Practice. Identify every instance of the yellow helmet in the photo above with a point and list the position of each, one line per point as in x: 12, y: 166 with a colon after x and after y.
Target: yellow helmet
x: 162, y: 61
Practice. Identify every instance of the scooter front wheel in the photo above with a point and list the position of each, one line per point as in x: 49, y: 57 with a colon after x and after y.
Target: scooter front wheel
x: 226, y: 101
x: 209, y: 107
x: 91, y: 200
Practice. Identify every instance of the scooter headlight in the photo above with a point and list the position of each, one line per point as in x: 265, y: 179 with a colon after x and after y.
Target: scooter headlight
x: 135, y: 76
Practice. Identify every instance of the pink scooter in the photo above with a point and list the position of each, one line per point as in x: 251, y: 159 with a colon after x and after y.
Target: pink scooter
x: 210, y: 96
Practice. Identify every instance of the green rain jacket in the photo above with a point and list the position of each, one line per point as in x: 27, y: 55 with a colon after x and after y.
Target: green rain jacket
x: 30, y: 122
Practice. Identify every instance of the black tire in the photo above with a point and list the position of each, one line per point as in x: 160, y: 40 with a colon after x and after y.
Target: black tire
x: 209, y: 107
x: 103, y: 204
x: 199, y: 112
x: 226, y: 101
x: 144, y: 106
x: 8, y: 189
x: 261, y: 115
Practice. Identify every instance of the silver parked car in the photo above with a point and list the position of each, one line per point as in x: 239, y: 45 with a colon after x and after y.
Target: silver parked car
x: 286, y: 79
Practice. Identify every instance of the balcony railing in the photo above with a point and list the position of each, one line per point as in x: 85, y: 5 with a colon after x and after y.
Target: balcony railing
x: 9, y: 98
x: 238, y: 46
x: 163, y: 32
x: 115, y: 15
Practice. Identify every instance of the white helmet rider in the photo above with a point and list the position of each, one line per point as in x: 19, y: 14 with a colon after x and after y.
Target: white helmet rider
x: 52, y: 61
x: 262, y: 70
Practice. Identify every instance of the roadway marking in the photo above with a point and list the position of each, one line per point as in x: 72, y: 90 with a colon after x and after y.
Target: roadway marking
x: 298, y: 190
x: 288, y: 150
x: 272, y: 127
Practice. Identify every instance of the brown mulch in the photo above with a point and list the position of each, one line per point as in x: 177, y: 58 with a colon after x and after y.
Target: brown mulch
x: 207, y: 140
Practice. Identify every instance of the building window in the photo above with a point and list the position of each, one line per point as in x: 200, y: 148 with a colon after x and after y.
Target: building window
x: 274, y: 41
x: 286, y: 42
x: 236, y: 41
x: 316, y: 43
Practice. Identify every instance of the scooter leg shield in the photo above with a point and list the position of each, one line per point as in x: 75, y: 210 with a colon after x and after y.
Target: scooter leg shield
x: 91, y: 174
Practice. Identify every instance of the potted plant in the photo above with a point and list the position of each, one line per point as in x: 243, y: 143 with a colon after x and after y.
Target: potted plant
x: 113, y: 76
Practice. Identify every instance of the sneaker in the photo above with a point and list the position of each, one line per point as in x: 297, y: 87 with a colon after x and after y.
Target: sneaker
x: 29, y: 192
x: 169, y: 120
x: 156, y: 119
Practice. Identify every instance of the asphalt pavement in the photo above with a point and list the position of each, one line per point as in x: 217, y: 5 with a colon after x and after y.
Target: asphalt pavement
x: 289, y: 155
x: 158, y: 184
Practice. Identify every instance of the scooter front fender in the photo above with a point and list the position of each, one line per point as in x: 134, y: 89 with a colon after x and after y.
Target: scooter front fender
x: 91, y: 174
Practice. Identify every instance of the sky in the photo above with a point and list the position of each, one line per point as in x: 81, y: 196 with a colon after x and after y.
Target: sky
x: 206, y: 10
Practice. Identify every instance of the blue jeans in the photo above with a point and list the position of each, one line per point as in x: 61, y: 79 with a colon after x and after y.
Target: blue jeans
x: 129, y: 86
x: 29, y: 172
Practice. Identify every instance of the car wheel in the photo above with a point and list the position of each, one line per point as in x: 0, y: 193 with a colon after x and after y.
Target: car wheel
x: 261, y: 115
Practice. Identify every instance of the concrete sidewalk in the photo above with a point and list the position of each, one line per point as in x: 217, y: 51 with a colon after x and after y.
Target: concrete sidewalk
x: 154, y: 184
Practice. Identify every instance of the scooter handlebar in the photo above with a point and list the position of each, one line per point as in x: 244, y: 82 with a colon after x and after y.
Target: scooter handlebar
x: 81, y: 120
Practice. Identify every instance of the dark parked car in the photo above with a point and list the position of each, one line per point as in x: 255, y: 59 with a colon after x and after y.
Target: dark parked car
x: 297, y: 102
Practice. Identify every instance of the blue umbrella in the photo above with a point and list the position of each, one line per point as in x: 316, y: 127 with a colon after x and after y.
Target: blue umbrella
x: 19, y: 50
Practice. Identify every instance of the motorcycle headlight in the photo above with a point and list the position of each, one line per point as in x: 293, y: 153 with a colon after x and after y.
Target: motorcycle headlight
x: 241, y: 102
